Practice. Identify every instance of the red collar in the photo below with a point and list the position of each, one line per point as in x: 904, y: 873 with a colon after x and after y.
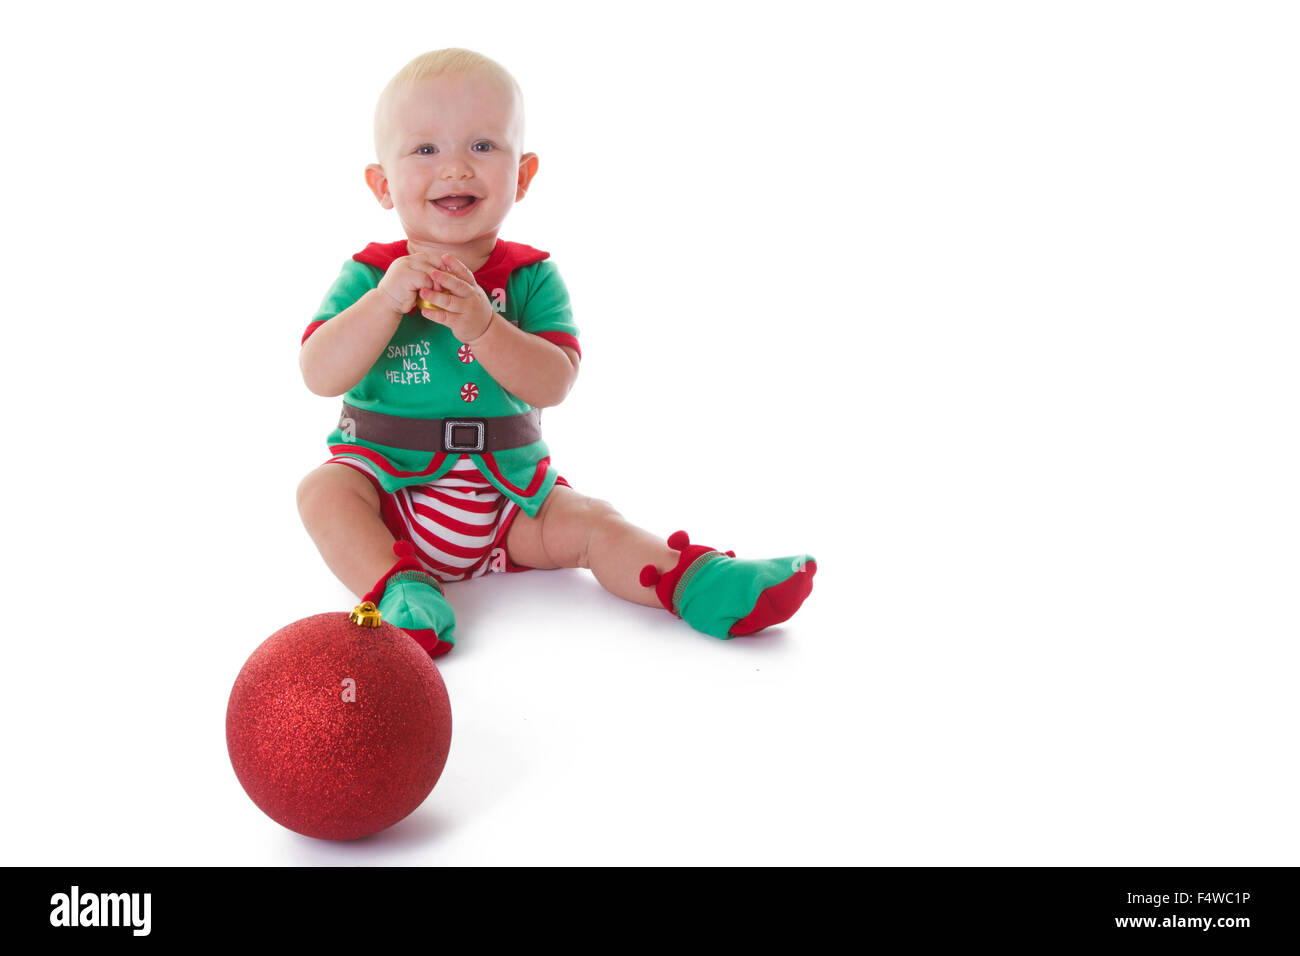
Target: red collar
x: 506, y: 258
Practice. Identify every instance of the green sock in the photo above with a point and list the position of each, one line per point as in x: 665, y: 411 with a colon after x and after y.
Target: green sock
x: 413, y: 601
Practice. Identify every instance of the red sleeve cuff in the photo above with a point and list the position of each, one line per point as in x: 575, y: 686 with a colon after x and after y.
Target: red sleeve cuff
x: 555, y: 338
x: 310, y: 329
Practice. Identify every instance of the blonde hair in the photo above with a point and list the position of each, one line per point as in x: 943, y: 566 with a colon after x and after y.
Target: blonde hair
x: 453, y: 60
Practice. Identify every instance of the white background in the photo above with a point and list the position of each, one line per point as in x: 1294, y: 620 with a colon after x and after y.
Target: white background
x: 989, y: 307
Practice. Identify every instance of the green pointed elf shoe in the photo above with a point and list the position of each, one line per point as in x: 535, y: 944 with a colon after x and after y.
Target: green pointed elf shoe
x: 718, y: 594
x: 410, y: 598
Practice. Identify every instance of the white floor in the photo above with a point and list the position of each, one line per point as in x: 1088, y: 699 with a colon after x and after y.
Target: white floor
x: 991, y: 310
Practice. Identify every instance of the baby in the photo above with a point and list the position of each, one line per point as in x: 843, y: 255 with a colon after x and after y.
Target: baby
x: 445, y: 346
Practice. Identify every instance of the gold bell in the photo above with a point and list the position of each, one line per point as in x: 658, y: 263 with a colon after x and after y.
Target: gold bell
x: 426, y: 304
x: 367, y: 615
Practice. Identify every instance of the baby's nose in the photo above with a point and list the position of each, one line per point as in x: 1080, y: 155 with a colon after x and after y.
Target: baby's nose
x: 456, y: 168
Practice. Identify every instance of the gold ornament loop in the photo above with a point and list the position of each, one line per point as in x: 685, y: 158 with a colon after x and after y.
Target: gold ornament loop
x: 366, y: 615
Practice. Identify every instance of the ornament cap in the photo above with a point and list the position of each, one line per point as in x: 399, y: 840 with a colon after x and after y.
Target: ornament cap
x: 366, y: 615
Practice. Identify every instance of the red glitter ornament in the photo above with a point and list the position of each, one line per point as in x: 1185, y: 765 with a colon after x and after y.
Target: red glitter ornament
x: 337, y: 729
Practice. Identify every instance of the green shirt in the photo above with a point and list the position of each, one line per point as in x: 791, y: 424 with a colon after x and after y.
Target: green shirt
x: 425, y: 372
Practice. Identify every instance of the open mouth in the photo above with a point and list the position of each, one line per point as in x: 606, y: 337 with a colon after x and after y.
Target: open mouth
x: 455, y: 203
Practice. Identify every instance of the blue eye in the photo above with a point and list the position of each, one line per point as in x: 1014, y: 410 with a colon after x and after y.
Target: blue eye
x: 426, y: 150
x: 488, y: 145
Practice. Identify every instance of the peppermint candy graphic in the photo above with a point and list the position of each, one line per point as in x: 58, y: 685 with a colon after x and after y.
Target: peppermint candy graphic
x: 469, y: 392
x: 464, y: 354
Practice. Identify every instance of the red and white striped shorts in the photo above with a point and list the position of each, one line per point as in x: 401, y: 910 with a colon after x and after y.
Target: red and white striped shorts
x: 457, y: 523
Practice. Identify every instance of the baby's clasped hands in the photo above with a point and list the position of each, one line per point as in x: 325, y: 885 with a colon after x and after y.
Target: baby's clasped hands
x: 457, y: 301
x: 447, y: 296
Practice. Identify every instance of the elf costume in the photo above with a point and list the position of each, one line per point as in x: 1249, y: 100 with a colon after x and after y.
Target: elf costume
x: 426, y: 373
x: 407, y: 425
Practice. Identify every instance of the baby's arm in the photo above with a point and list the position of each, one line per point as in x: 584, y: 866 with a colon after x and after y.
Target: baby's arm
x: 340, y: 352
x: 526, y: 365
x: 537, y: 371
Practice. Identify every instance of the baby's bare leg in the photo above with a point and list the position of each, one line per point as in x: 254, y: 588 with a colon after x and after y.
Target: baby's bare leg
x: 340, y: 509
x: 574, y: 531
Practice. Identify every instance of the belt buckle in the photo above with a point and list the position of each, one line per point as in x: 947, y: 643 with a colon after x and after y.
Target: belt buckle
x: 452, y: 441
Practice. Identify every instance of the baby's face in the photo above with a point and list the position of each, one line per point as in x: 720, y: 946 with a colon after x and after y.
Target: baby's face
x: 451, y: 136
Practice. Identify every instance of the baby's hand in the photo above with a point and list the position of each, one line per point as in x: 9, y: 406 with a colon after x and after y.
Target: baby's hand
x: 459, y: 303
x: 405, y: 279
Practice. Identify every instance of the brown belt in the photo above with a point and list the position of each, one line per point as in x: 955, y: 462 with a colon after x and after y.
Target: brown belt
x: 472, y: 435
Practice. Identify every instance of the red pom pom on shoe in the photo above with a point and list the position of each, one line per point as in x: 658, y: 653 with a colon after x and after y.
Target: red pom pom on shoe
x: 678, y: 540
x: 649, y: 576
x: 403, y: 549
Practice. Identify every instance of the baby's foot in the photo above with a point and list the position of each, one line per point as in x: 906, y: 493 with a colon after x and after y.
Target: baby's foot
x: 726, y: 597
x: 410, y: 598
x: 413, y: 601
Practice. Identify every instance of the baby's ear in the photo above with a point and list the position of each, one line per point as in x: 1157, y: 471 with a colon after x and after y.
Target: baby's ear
x: 527, y: 170
x: 377, y: 180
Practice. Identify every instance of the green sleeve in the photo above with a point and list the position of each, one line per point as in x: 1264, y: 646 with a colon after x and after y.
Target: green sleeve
x: 354, y: 281
x: 543, y: 300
